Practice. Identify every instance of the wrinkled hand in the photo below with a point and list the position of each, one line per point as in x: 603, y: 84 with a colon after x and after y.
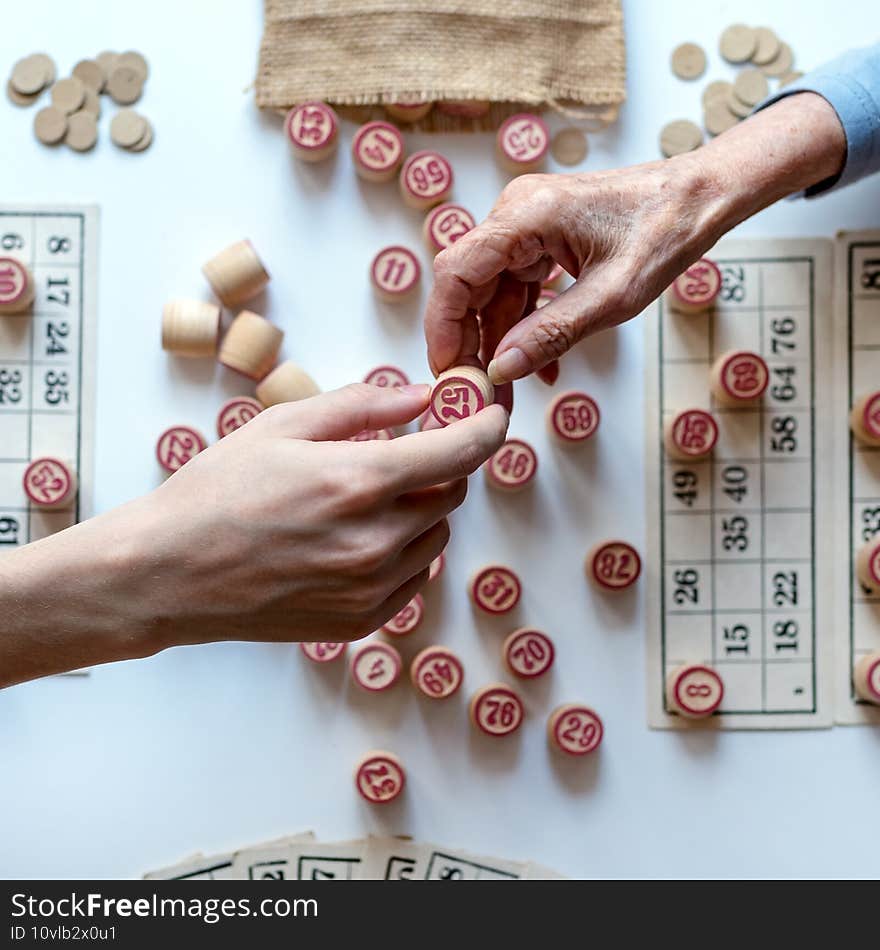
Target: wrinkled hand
x: 624, y: 235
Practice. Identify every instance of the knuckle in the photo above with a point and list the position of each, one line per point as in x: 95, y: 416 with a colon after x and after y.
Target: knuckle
x: 470, y: 456
x: 554, y: 337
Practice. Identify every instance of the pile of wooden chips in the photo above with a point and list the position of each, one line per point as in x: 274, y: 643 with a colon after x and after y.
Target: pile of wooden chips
x: 72, y: 117
x: 725, y: 103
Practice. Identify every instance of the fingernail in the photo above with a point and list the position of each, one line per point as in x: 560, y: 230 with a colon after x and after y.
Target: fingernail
x: 512, y: 364
x: 415, y: 389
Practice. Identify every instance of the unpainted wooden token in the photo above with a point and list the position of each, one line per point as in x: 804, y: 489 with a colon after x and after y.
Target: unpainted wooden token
x: 739, y: 108
x: 125, y: 84
x: 18, y: 98
x: 82, y: 131
x: 781, y: 64
x: 751, y: 86
x: 50, y: 125
x: 738, y: 43
x: 569, y: 146
x: 91, y: 74
x: 716, y: 91
x: 767, y: 45
x: 127, y: 128
x: 146, y: 139
x: 32, y: 74
x: 92, y: 103
x: 68, y: 94
x: 107, y: 60
x: 788, y: 78
x: 680, y: 136
x: 688, y: 61
x: 136, y: 61
x: 718, y: 118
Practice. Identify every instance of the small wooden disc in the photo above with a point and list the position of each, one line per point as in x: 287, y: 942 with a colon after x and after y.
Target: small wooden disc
x: 407, y: 619
x: 384, y: 376
x: 569, y: 146
x: 697, y: 289
x: 134, y: 60
x: 376, y: 666
x: 459, y: 393
x: 16, y: 286
x: 127, y: 128
x: 49, y: 483
x: 738, y: 43
x: 236, y: 412
x: 866, y: 678
x: 395, y: 273
x: 788, y: 78
x: 767, y: 46
x: 91, y: 74
x: 782, y: 62
x: 445, y: 224
x: 288, y: 382
x: 436, y: 672
x: 496, y: 710
x: 694, y: 690
x: 574, y: 729
x: 82, y: 131
x: 50, y: 125
x: 864, y: 418
x: 528, y: 653
x: 323, y: 652
x: 868, y: 565
x: 408, y: 111
x: 146, y: 139
x: 523, y: 142
x: 425, y: 180
x: 92, y: 103
x: 718, y: 117
x: 690, y: 434
x: 17, y: 98
x: 688, y: 61
x: 125, y: 84
x: 377, y: 150
x: 177, y: 446
x: 513, y: 466
x: 251, y: 345
x: 738, y: 377
x: 613, y: 565
x: 379, y: 777
x: 31, y: 74
x: 742, y: 110
x: 573, y: 417
x: 716, y: 91
x: 679, y: 137
x: 495, y: 589
x: 751, y: 86
x: 68, y: 94
x: 107, y: 60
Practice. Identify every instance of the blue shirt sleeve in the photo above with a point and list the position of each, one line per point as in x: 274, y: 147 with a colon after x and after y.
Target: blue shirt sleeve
x: 851, y: 84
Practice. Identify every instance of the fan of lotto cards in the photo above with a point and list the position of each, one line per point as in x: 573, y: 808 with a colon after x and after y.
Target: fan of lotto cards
x: 303, y: 858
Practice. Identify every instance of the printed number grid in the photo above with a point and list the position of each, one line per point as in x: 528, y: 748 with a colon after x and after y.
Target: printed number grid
x: 41, y: 366
x: 738, y: 530
x: 863, y: 328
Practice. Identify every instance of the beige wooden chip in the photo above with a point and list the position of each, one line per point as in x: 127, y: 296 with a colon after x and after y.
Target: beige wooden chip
x: 107, y: 60
x: 91, y: 74
x: 68, y: 94
x: 30, y: 75
x: 789, y: 78
x: 766, y: 46
x: 125, y: 84
x: 737, y: 43
x: 15, y: 96
x: 136, y: 61
x: 50, y: 125
x: 751, y: 86
x: 688, y: 61
x: 82, y: 131
x: 680, y: 136
x: 92, y: 103
x: 127, y: 128
x: 718, y: 118
x: 146, y: 141
x: 781, y: 64
x: 735, y: 105
x: 569, y: 146
x: 48, y: 62
x: 719, y: 89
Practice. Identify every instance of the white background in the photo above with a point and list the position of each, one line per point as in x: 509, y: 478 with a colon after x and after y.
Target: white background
x: 215, y: 747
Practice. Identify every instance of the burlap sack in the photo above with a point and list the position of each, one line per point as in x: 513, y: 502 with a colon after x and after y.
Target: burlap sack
x: 365, y: 52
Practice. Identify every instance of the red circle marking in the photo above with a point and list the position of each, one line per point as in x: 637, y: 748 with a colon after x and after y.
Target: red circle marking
x: 407, y: 619
x: 234, y: 413
x: 694, y: 432
x: 323, y: 652
x: 699, y: 285
x: 871, y: 416
x: 47, y: 481
x: 555, y: 274
x: 311, y: 125
x: 13, y: 280
x: 378, y: 146
x: 373, y: 435
x: 872, y: 678
x: 395, y: 270
x: 447, y: 223
x: 744, y: 375
x: 380, y: 779
x: 524, y: 138
x: 455, y: 398
x: 177, y: 445
x: 874, y: 563
x: 376, y: 666
x: 498, y: 711
x: 575, y: 416
x: 427, y: 175
x: 386, y: 376
x: 437, y: 672
x: 492, y: 582
x: 616, y: 565
x: 436, y: 568
x: 686, y: 703
x: 529, y: 653
x: 577, y: 730
x: 514, y: 464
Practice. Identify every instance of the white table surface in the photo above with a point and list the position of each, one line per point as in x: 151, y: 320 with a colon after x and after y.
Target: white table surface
x: 215, y: 747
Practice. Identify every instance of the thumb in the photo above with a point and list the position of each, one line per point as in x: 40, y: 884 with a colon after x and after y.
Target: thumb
x: 342, y: 413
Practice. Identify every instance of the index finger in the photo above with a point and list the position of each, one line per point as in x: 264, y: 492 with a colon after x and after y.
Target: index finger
x: 423, y: 459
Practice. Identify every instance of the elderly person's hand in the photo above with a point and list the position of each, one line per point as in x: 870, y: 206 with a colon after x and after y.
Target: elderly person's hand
x: 624, y: 235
